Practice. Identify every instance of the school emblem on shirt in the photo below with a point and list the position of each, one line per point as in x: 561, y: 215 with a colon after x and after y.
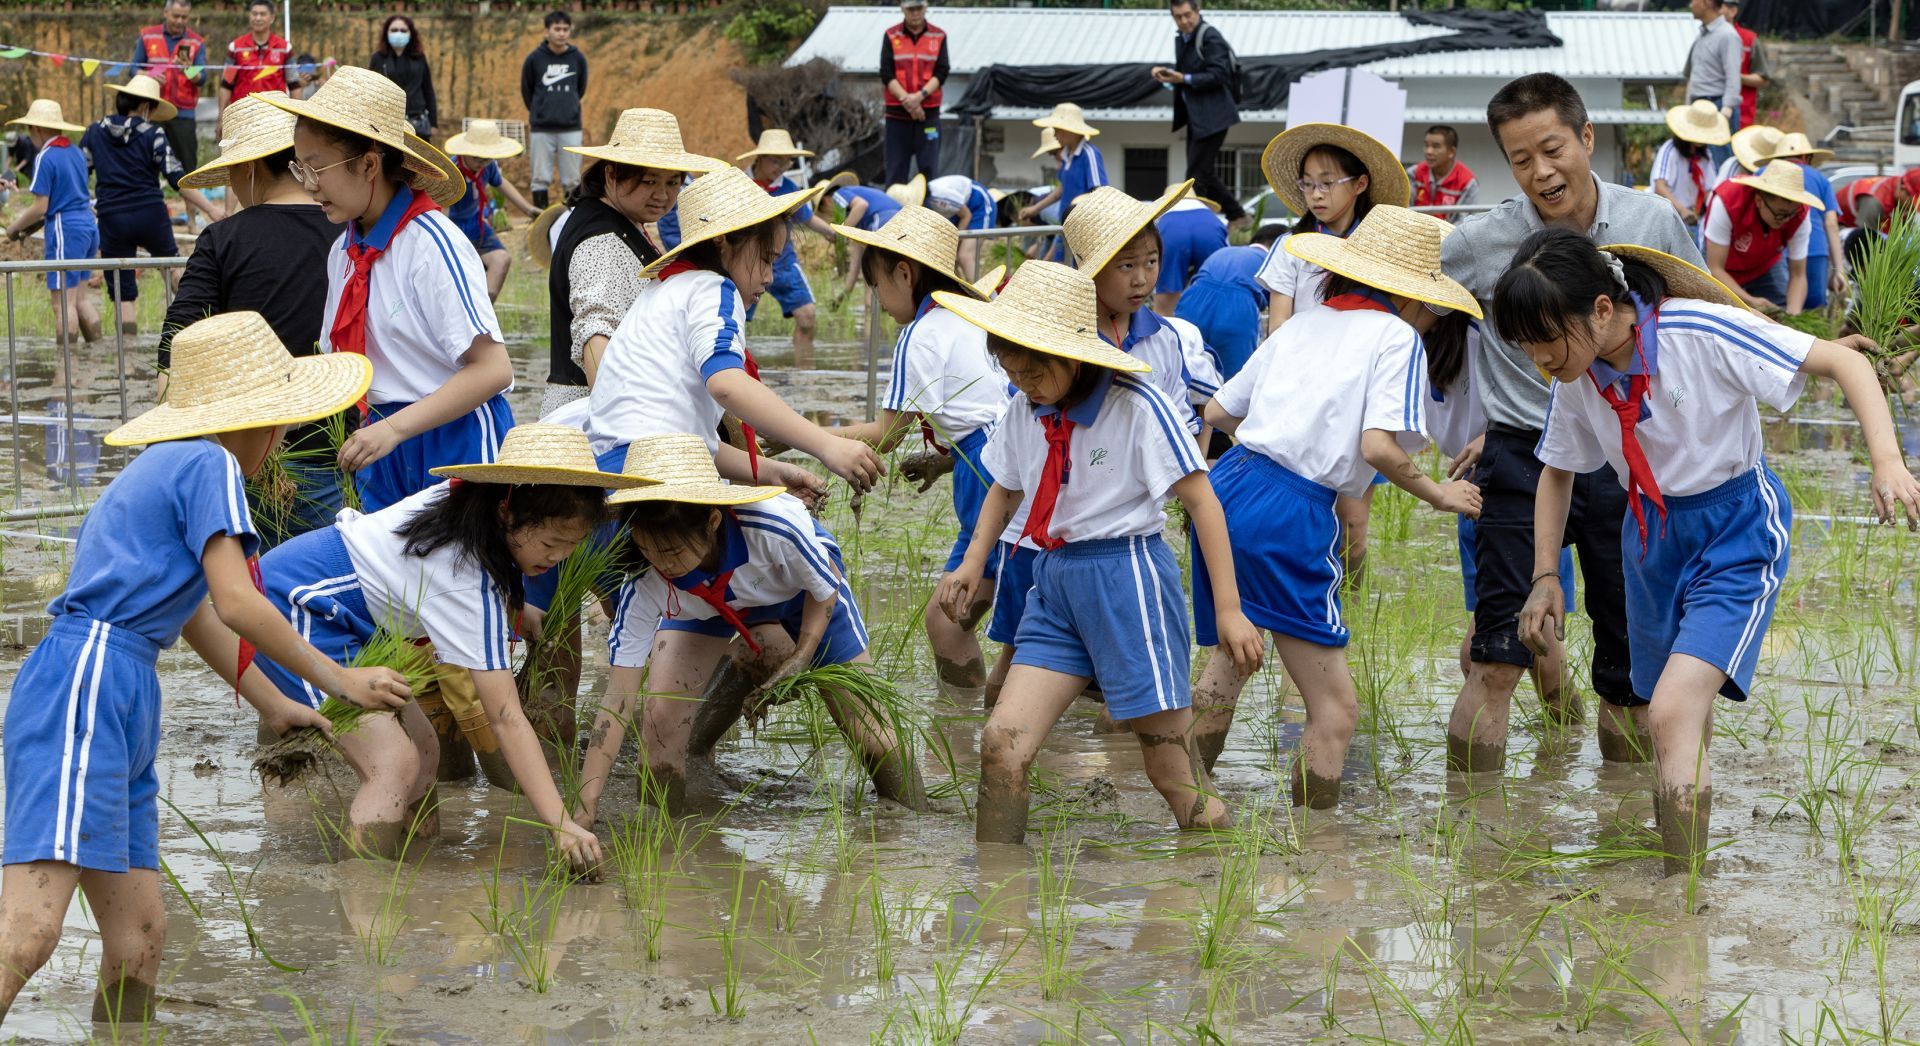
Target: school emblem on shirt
x: 1743, y: 243
x: 1098, y: 455
x: 1678, y: 394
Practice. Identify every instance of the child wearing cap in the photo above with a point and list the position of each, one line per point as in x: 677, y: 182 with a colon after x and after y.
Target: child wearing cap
x: 404, y: 288
x: 477, y: 152
x: 969, y: 205
x: 1658, y: 371
x: 1098, y: 449
x: 1190, y: 232
x: 767, y: 163
x: 84, y: 719
x: 1082, y: 167
x: 59, y: 188
x: 1683, y: 173
x: 725, y: 562
x: 1334, y: 395
x: 1752, y: 223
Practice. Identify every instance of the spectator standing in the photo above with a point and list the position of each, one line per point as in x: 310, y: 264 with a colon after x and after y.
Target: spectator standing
x: 1713, y: 67
x: 400, y: 57
x: 176, y: 56
x: 553, y: 79
x: 1202, y: 81
x: 1753, y: 65
x: 1441, y: 180
x: 256, y: 59
x: 913, y: 65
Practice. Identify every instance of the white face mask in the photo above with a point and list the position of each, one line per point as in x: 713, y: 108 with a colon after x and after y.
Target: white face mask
x: 397, y: 38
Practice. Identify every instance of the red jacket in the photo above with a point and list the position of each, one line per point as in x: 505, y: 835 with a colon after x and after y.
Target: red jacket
x: 1754, y: 248
x: 915, y: 61
x: 1457, y: 187
x: 1749, y: 96
x: 252, y: 57
x: 174, y: 85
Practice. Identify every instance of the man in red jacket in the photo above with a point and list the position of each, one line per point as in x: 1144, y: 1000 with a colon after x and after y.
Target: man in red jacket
x: 913, y: 66
x: 256, y: 59
x: 1442, y: 180
x: 176, y: 56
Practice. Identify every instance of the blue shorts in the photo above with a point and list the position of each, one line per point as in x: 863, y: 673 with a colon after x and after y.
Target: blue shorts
x: 463, y: 441
x: 488, y: 240
x: 846, y: 636
x: 1011, y: 583
x: 1112, y: 611
x: 1286, y: 552
x: 971, y: 480
x: 1187, y: 238
x: 1818, y: 266
x: 541, y: 588
x: 1708, y: 583
x: 311, y: 581
x: 789, y: 286
x: 70, y: 238
x: 82, y: 727
x: 1470, y: 569
x: 1228, y: 319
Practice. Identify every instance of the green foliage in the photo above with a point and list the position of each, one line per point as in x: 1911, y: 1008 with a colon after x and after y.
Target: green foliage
x: 1886, y: 280
x: 766, y: 28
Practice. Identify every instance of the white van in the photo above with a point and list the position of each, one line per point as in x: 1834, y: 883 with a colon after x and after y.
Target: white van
x: 1906, y: 128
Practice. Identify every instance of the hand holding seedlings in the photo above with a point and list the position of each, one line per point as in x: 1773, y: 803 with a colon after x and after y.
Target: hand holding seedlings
x: 292, y: 715
x: 376, y: 688
x: 925, y: 469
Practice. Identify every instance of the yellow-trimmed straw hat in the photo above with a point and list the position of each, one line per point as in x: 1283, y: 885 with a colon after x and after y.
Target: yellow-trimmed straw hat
x: 1785, y: 181
x: 679, y: 467
x: 774, y: 141
x: 1393, y: 249
x: 910, y: 193
x: 843, y: 180
x: 649, y: 138
x: 1048, y: 308
x: 45, y: 114
x: 1684, y: 279
x: 1386, y: 180
x: 1070, y: 118
x: 250, y: 129
x: 725, y: 201
x: 1049, y: 143
x: 1105, y: 220
x: 361, y: 101
x: 146, y: 87
x: 1798, y: 145
x: 921, y: 234
x: 231, y: 373
x: 1754, y: 146
x: 482, y: 140
x: 558, y: 455
x: 1699, y: 121
x: 539, y: 234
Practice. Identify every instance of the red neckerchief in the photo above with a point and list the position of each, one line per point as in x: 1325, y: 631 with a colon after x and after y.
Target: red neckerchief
x: 477, y: 179
x: 1639, y: 472
x: 1053, y: 475
x: 1697, y: 170
x: 349, y: 332
x: 246, y: 648
x: 58, y: 141
x: 675, y: 268
x: 714, y: 592
x: 1356, y: 302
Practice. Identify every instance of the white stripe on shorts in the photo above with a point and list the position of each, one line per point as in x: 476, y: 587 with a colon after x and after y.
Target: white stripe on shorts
x: 66, y: 755
x: 1769, y: 579
x: 86, y: 746
x: 1146, y: 630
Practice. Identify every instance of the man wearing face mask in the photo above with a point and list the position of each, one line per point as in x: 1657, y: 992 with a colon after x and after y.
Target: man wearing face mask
x: 553, y: 80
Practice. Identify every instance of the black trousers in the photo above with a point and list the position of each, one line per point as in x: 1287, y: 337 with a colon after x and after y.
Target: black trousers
x: 912, y: 142
x: 1201, y: 150
x: 183, y: 133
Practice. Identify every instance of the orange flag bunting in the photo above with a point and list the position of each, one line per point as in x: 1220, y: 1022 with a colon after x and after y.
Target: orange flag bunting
x: 265, y: 71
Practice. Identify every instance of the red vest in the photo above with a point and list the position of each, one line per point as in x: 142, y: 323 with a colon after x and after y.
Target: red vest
x: 1754, y: 247
x: 1881, y: 187
x: 174, y: 85
x: 1443, y: 192
x: 252, y: 57
x: 913, y: 60
x: 1749, y: 96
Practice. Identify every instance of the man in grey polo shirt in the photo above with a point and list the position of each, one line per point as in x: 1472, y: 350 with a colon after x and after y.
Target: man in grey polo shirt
x: 1713, y: 68
x: 1540, y: 124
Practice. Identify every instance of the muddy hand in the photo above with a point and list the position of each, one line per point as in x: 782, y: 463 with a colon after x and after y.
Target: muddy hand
x: 1241, y: 641
x: 762, y: 701
x: 1895, y: 486
x: 1542, y: 619
x: 375, y: 688
x: 581, y: 847
x: 925, y: 469
x: 854, y: 462
x: 956, y: 592
x: 292, y: 715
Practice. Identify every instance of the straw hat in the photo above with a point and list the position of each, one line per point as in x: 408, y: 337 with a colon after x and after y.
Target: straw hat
x: 723, y: 202
x: 1105, y: 220
x: 918, y: 233
x: 539, y: 234
x: 1047, y: 308
x: 251, y: 129
x: 1048, y: 144
x: 482, y: 140
x: 45, y: 114
x: 1754, y: 146
x: 843, y: 180
x: 912, y: 193
x: 774, y: 141
x: 1386, y: 180
x: 557, y: 455
x: 649, y: 138
x: 1392, y: 249
x: 1799, y: 145
x: 1203, y: 201
x: 679, y: 467
x: 1684, y: 279
x: 1070, y: 118
x: 1785, y: 181
x: 1698, y: 121
x: 361, y: 101
x: 230, y: 373
x: 144, y: 86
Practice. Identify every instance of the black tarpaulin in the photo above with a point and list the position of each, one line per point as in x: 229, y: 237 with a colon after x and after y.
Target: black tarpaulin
x: 1806, y: 19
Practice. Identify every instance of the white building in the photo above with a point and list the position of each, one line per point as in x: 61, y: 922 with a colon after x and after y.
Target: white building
x: 1605, y: 55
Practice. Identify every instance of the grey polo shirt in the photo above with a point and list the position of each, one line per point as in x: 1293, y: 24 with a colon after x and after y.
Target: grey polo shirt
x: 1713, y: 65
x: 1477, y: 254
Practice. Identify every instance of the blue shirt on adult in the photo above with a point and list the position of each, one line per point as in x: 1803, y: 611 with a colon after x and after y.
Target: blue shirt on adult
x: 129, y: 156
x: 880, y: 206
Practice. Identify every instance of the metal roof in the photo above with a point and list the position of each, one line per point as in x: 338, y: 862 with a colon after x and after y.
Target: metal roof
x: 1424, y: 114
x: 1617, y: 45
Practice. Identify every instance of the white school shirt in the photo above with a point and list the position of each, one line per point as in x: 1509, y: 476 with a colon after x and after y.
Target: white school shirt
x: 653, y: 376
x: 1729, y: 168
x: 1455, y: 417
x: 443, y: 596
x: 426, y: 302
x: 1203, y: 371
x: 775, y: 554
x: 1297, y: 278
x: 1699, y: 427
x: 943, y: 372
x: 1154, y: 340
x: 1669, y: 165
x: 1720, y: 230
x: 1128, y: 449
x: 1311, y: 390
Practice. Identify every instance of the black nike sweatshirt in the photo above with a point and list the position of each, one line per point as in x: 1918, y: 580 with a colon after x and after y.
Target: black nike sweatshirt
x: 551, y: 86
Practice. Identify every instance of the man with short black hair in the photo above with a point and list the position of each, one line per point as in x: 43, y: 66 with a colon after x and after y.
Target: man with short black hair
x: 553, y: 80
x: 1441, y: 180
x: 175, y: 55
x: 1713, y: 68
x: 256, y: 59
x: 913, y: 67
x: 1201, y: 78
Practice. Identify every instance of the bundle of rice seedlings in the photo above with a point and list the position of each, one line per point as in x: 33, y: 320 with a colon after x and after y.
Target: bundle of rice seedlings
x: 1887, y: 291
x: 295, y: 755
x: 551, y: 652
x: 873, y: 695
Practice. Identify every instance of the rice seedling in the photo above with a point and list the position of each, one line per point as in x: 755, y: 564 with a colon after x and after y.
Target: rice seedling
x: 288, y: 760
x: 315, y: 1031
x: 233, y: 884
x: 730, y: 1000
x: 1881, y: 904
x: 943, y: 1005
x: 378, y: 936
x: 524, y: 927
x: 1057, y: 916
x: 1885, y: 293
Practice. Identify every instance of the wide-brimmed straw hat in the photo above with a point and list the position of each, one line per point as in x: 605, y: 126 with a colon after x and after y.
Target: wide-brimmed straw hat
x: 556, y: 455
x: 1203, y: 201
x: 1048, y: 308
x: 1048, y: 144
x: 723, y: 202
x: 918, y: 233
x: 1392, y: 249
x: 774, y: 141
x: 842, y: 180
x: 1105, y: 220
x: 1785, y: 181
x: 482, y: 140
x: 539, y: 234
x: 361, y: 101
x: 1070, y: 118
x: 45, y: 114
x: 680, y: 468
x: 143, y: 86
x: 250, y: 129
x: 231, y: 373
x: 1797, y: 145
x: 1754, y: 146
x: 1386, y: 180
x: 1684, y: 279
x: 649, y: 138
x: 1699, y: 121
x: 910, y: 193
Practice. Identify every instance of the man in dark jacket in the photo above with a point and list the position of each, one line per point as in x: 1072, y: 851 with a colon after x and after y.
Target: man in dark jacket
x: 553, y: 79
x: 1202, y: 82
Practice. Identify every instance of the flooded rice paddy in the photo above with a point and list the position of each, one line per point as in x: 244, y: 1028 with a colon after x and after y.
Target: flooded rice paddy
x: 1515, y: 908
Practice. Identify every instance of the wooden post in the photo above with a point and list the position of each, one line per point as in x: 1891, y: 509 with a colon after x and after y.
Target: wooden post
x: 1893, y: 21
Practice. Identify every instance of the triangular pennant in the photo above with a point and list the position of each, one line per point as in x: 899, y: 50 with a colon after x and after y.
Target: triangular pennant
x: 194, y: 70
x: 265, y: 71
x: 14, y: 52
x: 58, y: 60
x: 87, y: 66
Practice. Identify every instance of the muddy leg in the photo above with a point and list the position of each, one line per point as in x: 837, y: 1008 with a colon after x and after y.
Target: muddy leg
x: 456, y: 755
x: 33, y: 903
x: 683, y: 664
x: 888, y: 758
x: 1680, y: 720
x: 1623, y: 735
x: 1477, y: 729
x: 387, y: 760
x: 1034, y: 700
x: 1214, y: 698
x: 133, y: 930
x: 1559, y: 693
x: 1333, y: 711
x: 1174, y: 766
x: 960, y: 665
x: 997, y: 678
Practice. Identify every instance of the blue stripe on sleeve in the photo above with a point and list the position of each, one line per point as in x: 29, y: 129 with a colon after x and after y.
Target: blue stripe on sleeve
x: 897, y: 386
x: 1748, y: 340
x: 729, y: 330
x: 619, y: 628
x: 1178, y: 438
x: 452, y: 260
x: 758, y: 519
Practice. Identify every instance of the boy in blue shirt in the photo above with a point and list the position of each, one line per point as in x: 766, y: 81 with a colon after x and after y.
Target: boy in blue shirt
x: 1225, y: 299
x: 59, y: 187
x: 767, y: 163
x: 866, y: 209
x: 1082, y: 167
x: 477, y: 152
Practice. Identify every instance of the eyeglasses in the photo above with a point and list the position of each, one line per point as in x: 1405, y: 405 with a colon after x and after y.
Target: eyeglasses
x: 1778, y: 216
x: 309, y: 177
x: 1310, y: 188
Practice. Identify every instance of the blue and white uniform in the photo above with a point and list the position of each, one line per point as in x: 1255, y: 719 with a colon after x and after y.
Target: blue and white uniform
x: 1106, y: 604
x: 1190, y: 232
x: 426, y: 303
x: 1081, y: 172
x: 789, y: 287
x: 1225, y: 301
x: 471, y: 212
x: 880, y: 206
x: 60, y: 177
x: 1155, y: 340
x: 950, y: 193
x: 1294, y: 276
x: 83, y: 721
x: 775, y: 556
x: 1711, y: 572
x: 652, y: 380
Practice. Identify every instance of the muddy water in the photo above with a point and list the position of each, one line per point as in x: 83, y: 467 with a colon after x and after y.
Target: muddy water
x: 1424, y: 907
